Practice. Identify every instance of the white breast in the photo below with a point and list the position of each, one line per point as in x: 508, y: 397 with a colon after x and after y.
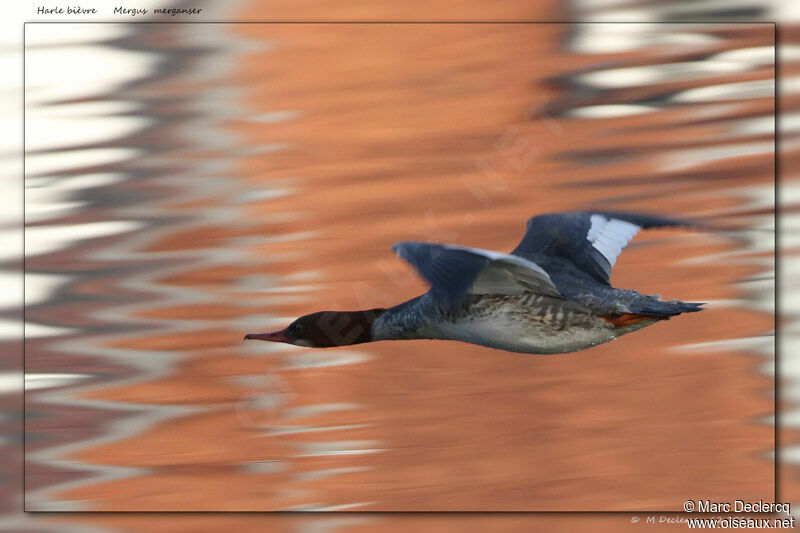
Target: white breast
x: 505, y: 333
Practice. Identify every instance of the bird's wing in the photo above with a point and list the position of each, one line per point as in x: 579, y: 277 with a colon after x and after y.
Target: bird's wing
x: 455, y: 271
x: 590, y: 240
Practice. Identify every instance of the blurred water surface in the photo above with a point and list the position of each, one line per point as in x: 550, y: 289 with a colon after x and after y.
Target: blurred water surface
x: 186, y: 184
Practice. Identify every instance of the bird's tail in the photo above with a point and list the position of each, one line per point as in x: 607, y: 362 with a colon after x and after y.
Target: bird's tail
x: 651, y: 306
x: 647, y: 310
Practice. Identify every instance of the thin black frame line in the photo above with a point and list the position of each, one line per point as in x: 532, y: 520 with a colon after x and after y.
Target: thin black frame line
x: 349, y: 22
x: 24, y: 270
x: 412, y: 512
x: 776, y: 259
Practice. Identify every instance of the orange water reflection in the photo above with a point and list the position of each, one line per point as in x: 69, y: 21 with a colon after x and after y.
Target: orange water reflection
x: 358, y: 136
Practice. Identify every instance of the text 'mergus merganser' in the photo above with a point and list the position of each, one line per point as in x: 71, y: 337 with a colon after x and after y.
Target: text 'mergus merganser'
x: 552, y: 294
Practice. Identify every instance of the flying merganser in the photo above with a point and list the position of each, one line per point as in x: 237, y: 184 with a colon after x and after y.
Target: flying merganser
x: 552, y: 294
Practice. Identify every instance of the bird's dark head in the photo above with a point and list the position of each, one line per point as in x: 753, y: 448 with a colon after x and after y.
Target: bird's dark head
x: 325, y: 329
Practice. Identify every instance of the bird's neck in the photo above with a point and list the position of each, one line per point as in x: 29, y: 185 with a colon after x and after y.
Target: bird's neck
x: 408, y: 320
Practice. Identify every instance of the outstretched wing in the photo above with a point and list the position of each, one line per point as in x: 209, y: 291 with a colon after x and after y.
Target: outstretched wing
x: 454, y: 271
x: 592, y: 241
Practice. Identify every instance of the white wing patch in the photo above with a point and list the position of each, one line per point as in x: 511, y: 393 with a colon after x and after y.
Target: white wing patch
x: 610, y: 235
x: 508, y: 274
x: 499, y: 256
